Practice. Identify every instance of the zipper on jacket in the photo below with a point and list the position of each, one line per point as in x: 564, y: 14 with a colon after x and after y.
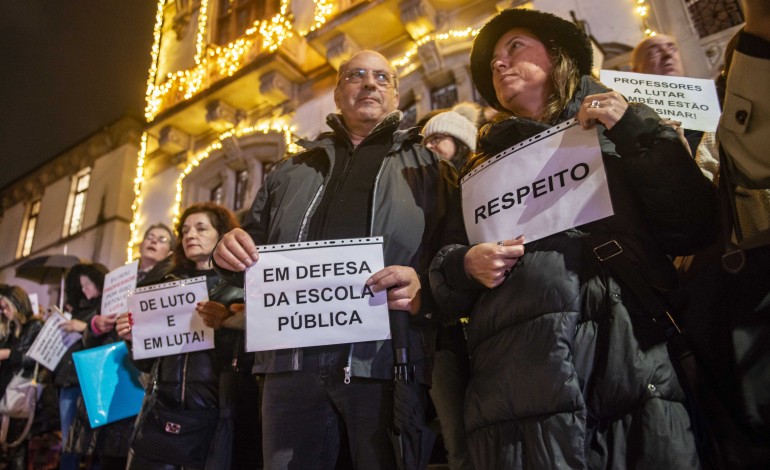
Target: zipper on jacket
x: 184, y: 378
x: 374, y: 194
x: 347, y: 367
x: 306, y: 218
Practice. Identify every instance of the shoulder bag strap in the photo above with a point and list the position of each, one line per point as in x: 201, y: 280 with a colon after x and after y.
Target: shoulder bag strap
x: 609, y: 252
x: 32, y: 404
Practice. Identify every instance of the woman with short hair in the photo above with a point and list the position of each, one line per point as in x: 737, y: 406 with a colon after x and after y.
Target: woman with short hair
x: 189, y: 383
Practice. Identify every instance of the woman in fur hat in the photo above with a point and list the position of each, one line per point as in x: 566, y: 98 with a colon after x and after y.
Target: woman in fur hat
x: 569, y: 369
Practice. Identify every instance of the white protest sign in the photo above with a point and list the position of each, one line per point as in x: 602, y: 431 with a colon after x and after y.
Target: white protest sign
x: 315, y: 293
x: 544, y: 185
x: 117, y: 284
x: 52, y: 343
x: 165, y: 321
x: 35, y: 303
x: 692, y: 101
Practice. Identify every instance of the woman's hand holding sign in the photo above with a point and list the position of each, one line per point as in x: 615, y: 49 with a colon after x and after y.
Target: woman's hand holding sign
x: 73, y: 325
x: 403, y: 286
x: 213, y: 313
x: 235, y: 251
x: 490, y: 263
x: 104, y: 323
x: 606, y: 108
x: 123, y: 325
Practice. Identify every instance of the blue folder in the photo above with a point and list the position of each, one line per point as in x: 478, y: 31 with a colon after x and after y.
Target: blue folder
x: 110, y: 383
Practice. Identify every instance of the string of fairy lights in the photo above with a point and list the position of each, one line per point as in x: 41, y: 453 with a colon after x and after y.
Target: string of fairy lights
x: 643, y: 10
x: 216, y: 62
x: 278, y: 125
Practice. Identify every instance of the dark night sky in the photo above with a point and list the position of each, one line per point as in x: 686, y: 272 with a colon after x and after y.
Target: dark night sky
x: 67, y: 68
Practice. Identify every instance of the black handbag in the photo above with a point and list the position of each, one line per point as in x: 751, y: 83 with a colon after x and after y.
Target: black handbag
x: 179, y: 437
x: 175, y: 436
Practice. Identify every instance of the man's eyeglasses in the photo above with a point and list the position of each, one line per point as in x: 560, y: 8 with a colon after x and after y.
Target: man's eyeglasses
x: 382, y: 78
x: 152, y: 238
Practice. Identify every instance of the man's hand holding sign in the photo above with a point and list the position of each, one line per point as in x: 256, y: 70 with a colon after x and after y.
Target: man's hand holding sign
x: 403, y: 286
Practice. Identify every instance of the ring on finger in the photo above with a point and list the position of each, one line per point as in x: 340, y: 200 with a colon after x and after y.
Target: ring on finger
x: 595, y: 104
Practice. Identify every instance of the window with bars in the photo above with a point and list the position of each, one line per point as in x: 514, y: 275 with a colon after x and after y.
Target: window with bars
x: 444, y: 97
x: 712, y: 16
x: 217, y: 194
x: 410, y: 117
x: 241, y: 189
x: 28, y: 232
x: 77, y: 202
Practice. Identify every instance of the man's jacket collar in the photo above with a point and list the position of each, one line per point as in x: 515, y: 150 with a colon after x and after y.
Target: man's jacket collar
x: 335, y: 121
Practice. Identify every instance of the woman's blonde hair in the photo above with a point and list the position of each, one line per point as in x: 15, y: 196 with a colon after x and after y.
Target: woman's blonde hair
x: 18, y: 300
x: 565, y: 79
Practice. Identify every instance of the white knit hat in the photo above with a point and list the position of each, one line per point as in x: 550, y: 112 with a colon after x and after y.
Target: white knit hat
x: 460, y: 123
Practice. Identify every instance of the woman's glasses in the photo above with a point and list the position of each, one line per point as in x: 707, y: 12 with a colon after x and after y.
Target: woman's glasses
x: 153, y: 238
x: 434, y: 139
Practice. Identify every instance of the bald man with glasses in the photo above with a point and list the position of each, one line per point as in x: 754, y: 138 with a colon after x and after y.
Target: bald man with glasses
x: 364, y: 178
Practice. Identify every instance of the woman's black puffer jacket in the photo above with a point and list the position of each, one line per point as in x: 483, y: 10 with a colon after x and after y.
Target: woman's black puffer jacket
x: 567, y: 370
x: 197, y: 374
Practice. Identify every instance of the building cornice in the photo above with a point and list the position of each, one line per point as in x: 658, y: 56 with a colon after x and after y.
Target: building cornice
x: 126, y: 130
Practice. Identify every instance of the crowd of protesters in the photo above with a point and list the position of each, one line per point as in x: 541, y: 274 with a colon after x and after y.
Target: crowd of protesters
x: 636, y: 340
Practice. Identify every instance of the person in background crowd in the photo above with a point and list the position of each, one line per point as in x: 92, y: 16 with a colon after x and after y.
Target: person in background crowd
x: 83, y: 287
x: 365, y: 178
x: 155, y: 254
x: 659, y: 55
x: 18, y: 330
x: 110, y: 441
x: 451, y: 135
x: 568, y: 368
x: 729, y: 314
x: 192, y: 381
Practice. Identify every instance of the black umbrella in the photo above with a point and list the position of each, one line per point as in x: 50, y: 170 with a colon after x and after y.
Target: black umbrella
x: 48, y: 269
x: 412, y: 439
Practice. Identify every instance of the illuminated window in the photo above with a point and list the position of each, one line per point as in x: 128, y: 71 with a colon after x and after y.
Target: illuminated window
x: 28, y: 231
x: 234, y: 17
x: 76, y: 207
x: 241, y: 189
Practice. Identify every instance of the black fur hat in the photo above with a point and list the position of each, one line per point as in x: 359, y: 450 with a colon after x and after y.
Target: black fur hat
x: 548, y: 28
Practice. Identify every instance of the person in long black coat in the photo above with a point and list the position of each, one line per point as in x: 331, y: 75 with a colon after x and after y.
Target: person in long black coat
x: 568, y: 368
